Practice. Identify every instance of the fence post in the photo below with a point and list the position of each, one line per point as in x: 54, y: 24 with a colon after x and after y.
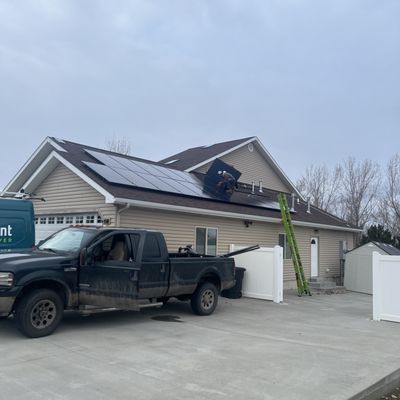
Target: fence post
x: 278, y: 274
x: 376, y: 286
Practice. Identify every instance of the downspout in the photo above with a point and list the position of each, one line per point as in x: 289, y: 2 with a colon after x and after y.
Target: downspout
x: 119, y: 212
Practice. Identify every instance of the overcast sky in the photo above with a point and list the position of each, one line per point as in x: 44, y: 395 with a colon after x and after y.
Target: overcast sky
x: 316, y: 81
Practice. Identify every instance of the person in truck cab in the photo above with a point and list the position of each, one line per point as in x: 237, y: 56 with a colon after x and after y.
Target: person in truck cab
x: 118, y: 251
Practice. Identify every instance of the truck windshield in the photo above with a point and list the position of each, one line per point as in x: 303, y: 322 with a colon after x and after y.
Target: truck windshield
x: 68, y: 240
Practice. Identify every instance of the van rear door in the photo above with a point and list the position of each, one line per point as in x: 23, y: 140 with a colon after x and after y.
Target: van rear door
x: 17, y: 226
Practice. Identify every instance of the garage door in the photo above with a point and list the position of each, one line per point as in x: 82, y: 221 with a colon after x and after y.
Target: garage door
x: 46, y: 225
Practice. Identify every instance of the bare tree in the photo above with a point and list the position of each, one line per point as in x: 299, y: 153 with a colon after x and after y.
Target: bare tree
x: 388, y: 211
x: 359, y: 192
x: 120, y: 145
x: 321, y: 186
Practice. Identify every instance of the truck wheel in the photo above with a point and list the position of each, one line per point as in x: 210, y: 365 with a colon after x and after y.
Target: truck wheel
x: 205, y: 299
x: 39, y: 313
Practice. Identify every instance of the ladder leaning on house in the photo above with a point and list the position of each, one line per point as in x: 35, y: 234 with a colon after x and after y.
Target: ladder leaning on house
x: 302, y: 284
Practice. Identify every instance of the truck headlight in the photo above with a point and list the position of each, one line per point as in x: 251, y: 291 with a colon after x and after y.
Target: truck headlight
x: 6, y: 279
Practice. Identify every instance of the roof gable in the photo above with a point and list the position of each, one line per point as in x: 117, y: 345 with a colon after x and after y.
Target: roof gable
x: 196, y: 158
x: 190, y: 158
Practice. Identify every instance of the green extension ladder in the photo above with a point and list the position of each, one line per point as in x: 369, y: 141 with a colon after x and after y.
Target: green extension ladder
x: 302, y: 283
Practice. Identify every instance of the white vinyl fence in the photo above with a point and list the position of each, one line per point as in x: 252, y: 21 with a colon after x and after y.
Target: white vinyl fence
x: 263, y: 278
x: 385, y: 286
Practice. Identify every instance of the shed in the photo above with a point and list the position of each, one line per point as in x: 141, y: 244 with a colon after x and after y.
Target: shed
x: 358, y: 267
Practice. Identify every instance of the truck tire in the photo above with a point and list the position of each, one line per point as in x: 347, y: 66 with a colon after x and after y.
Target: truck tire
x: 204, y: 299
x: 39, y: 313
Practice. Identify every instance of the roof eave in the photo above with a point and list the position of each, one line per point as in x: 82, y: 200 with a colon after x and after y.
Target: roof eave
x: 49, y: 164
x: 225, y: 214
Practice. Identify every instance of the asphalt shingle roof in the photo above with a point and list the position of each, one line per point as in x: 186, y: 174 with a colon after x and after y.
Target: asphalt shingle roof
x: 197, y: 155
x: 76, y: 155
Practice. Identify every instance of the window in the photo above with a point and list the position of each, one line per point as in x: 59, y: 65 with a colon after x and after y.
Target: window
x: 51, y: 220
x: 70, y: 240
x: 36, y: 220
x: 287, y: 254
x: 99, y: 220
x: 135, y: 239
x: 79, y: 219
x: 151, y: 247
x: 69, y: 220
x: 206, y: 241
x: 43, y: 220
x: 60, y: 220
x: 90, y: 219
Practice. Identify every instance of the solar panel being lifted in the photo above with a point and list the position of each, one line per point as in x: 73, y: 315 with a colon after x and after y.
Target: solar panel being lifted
x: 124, y: 171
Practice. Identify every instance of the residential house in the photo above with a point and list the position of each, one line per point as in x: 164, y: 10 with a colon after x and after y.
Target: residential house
x: 86, y: 185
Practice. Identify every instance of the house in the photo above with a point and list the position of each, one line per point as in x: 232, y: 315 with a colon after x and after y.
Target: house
x: 358, y: 266
x: 86, y: 185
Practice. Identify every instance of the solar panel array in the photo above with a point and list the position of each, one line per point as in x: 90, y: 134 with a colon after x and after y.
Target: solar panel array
x: 129, y: 172
x: 124, y: 171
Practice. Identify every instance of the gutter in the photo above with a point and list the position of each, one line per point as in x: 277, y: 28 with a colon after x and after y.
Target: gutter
x: 224, y: 214
x: 119, y: 212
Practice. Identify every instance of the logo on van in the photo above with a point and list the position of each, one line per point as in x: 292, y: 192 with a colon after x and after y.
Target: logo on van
x: 6, y: 234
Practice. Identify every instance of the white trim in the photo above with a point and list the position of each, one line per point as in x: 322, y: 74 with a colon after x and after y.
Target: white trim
x: 48, y: 140
x: 190, y: 169
x: 225, y: 214
x: 56, y: 146
x: 285, y: 246
x: 206, y: 238
x: 109, y: 198
x: 267, y: 155
x: 275, y: 164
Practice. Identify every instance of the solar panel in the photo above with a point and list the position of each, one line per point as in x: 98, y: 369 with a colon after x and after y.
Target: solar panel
x: 124, y: 171
x: 107, y: 173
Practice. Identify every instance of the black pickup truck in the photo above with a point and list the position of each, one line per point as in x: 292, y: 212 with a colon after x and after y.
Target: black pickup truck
x: 81, y: 267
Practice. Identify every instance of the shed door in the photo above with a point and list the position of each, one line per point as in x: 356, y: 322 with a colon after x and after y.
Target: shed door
x: 314, y: 257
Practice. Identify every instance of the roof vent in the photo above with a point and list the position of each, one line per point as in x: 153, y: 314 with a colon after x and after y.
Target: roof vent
x: 308, y: 205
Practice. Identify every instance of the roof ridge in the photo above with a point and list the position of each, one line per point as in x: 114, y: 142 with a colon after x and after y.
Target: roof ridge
x: 234, y: 143
x: 109, y: 152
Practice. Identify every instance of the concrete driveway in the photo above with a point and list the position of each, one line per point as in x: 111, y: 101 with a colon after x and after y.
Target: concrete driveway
x: 320, y: 347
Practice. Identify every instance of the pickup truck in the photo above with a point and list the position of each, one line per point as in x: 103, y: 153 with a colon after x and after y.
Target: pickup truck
x: 81, y: 267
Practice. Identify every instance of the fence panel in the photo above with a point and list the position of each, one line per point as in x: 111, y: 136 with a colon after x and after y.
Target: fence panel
x: 386, y: 293
x: 263, y: 278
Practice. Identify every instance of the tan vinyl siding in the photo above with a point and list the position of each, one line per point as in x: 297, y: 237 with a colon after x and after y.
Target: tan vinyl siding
x: 179, y: 230
x: 65, y: 193
x: 253, y: 167
x: 328, y: 248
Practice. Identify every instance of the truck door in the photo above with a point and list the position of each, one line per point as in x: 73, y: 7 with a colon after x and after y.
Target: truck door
x: 154, y: 271
x: 109, y: 278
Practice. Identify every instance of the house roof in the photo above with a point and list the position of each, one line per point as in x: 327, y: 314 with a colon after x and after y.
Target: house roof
x: 73, y: 155
x: 196, y: 155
